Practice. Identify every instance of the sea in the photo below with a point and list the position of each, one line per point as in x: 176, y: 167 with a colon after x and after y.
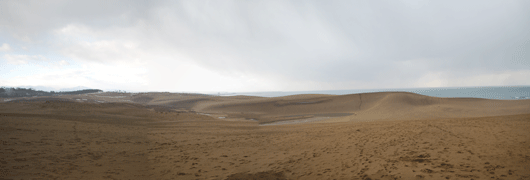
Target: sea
x: 490, y: 92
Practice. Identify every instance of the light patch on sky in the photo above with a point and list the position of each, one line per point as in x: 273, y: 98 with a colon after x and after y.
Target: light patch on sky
x: 243, y: 46
x: 5, y: 47
x: 87, y: 74
x: 22, y: 59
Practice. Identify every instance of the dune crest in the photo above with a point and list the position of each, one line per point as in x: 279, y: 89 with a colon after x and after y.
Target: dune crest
x: 179, y: 136
x: 362, y: 107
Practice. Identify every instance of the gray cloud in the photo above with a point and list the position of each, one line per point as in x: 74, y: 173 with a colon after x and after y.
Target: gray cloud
x: 34, y: 17
x: 349, y: 43
x: 367, y: 38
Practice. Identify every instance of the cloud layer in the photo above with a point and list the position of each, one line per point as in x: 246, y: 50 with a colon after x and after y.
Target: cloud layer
x: 266, y: 45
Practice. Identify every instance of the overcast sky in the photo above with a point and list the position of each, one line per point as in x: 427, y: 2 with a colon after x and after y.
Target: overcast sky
x: 242, y: 46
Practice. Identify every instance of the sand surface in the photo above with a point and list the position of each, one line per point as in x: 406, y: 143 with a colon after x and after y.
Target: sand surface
x: 179, y: 136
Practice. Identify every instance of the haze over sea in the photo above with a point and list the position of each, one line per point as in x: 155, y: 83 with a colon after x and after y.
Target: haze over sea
x: 492, y: 92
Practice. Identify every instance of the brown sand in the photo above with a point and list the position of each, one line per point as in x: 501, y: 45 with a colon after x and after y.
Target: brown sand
x: 408, y: 136
x: 363, y: 107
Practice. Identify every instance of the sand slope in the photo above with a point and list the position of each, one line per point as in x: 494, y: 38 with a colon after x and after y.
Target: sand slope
x: 468, y: 148
x: 364, y: 107
x: 335, y: 108
x: 408, y: 136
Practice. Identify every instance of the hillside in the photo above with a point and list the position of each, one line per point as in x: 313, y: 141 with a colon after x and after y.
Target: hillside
x: 361, y: 107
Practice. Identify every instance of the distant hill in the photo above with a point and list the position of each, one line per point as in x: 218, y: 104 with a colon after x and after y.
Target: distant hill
x: 6, y: 92
x: 78, y: 88
x: 48, y: 88
x: 354, y: 107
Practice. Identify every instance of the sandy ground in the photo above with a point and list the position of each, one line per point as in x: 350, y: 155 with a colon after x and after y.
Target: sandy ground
x: 470, y: 148
x: 387, y: 136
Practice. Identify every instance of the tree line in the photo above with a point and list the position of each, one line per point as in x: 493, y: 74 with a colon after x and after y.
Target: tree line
x: 30, y: 92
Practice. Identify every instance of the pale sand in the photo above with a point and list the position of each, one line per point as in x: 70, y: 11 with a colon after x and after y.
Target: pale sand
x: 298, y: 121
x: 387, y: 136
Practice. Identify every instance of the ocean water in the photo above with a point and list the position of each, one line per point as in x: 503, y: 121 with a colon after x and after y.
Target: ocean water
x: 500, y: 92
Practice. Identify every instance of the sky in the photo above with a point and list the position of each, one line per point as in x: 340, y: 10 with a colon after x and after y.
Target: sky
x: 268, y: 45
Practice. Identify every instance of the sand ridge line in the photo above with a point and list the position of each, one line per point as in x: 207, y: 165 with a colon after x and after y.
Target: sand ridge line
x: 298, y: 121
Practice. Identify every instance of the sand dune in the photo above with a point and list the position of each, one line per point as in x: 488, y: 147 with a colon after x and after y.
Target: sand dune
x: 339, y: 108
x: 468, y: 148
x: 363, y: 107
x: 178, y: 136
